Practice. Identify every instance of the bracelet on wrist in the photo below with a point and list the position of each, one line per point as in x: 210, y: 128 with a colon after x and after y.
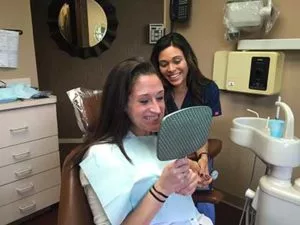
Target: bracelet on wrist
x: 154, y: 196
x: 158, y: 192
x: 202, y: 153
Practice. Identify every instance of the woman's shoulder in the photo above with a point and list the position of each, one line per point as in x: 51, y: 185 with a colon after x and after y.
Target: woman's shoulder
x: 211, y: 86
x: 210, y: 89
x: 103, y: 156
x: 100, y: 149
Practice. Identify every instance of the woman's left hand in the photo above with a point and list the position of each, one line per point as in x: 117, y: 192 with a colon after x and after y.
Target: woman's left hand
x: 205, y: 178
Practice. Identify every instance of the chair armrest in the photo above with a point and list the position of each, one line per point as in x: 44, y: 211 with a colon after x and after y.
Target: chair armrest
x: 211, y: 196
x: 214, y: 147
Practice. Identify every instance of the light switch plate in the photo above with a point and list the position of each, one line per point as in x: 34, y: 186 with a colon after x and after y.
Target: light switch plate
x: 156, y: 31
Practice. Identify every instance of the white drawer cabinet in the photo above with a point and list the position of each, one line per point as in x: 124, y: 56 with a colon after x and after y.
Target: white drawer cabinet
x: 29, y: 205
x: 29, y: 158
x: 35, y: 123
x: 28, y: 186
x: 28, y: 150
x: 28, y: 168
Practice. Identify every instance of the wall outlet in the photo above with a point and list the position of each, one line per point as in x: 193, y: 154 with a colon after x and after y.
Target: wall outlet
x: 156, y: 31
x: 25, y: 80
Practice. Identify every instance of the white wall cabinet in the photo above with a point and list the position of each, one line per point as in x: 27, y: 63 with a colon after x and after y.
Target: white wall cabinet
x: 29, y: 158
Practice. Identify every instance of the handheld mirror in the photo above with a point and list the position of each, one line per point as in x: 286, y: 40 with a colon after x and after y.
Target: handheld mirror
x: 183, y: 132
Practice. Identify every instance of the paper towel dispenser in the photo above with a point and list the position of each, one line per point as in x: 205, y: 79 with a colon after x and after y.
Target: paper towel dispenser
x: 248, y: 72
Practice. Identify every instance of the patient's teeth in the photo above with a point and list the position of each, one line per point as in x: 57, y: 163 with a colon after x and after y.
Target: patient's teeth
x: 151, y: 117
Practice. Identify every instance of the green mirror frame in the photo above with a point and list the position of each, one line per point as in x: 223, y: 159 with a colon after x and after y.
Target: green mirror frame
x: 73, y: 49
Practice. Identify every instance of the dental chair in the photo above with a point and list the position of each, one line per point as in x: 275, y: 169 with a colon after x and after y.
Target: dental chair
x: 73, y: 206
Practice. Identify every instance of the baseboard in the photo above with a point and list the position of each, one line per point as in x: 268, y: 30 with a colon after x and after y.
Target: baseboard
x: 70, y: 140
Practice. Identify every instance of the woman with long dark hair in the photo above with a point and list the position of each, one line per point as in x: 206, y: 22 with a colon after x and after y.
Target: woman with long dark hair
x: 185, y: 85
x: 123, y: 180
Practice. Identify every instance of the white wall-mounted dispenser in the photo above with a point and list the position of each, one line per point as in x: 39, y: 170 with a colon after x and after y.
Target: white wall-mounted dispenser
x: 249, y: 72
x: 244, y: 17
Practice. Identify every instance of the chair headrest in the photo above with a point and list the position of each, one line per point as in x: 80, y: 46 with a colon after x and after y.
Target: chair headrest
x: 86, y: 104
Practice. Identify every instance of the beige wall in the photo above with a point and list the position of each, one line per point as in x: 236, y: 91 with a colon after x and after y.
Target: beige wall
x: 15, y: 14
x: 205, y: 32
x: 59, y: 72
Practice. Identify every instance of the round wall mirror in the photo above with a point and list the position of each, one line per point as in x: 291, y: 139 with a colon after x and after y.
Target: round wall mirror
x: 83, y: 28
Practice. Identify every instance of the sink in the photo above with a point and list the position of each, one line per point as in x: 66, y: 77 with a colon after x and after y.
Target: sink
x: 250, y: 132
x: 276, y: 191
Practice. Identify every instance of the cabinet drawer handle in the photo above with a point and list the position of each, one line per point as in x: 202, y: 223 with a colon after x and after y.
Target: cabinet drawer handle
x: 23, y: 190
x: 22, y: 155
x: 17, y: 130
x: 23, y: 173
x: 27, y: 208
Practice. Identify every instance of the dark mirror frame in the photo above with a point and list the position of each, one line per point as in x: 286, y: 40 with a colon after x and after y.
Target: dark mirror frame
x: 74, y: 50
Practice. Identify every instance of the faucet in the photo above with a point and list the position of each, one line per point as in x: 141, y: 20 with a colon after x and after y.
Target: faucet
x: 289, y: 120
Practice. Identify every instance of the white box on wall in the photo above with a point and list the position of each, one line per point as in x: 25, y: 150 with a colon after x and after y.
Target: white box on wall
x: 249, y: 72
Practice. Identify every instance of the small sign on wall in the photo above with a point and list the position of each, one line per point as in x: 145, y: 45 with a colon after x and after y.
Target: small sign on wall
x: 156, y: 31
x: 9, y: 48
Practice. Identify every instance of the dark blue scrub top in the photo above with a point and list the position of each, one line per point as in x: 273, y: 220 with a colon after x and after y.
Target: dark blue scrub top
x: 211, y: 98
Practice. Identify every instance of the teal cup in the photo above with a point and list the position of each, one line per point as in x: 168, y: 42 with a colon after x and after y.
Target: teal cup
x: 276, y: 128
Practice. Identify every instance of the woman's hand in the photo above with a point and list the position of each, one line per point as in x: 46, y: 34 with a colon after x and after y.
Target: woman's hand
x: 205, y: 178
x: 201, y: 168
x: 195, y: 166
x: 173, y: 176
x: 191, y: 183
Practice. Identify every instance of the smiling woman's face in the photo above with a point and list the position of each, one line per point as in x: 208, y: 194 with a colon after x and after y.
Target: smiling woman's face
x: 146, y: 104
x: 173, y: 66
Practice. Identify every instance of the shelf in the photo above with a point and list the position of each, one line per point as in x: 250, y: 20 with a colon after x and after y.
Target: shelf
x: 269, y: 44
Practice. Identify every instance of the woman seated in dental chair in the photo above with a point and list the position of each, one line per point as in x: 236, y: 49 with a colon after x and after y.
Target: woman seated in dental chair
x: 123, y: 180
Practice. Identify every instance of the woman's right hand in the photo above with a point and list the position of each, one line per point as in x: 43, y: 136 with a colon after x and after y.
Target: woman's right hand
x: 173, y: 176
